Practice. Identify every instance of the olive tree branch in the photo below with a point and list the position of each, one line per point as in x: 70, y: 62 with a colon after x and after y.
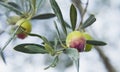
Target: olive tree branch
x: 105, y: 60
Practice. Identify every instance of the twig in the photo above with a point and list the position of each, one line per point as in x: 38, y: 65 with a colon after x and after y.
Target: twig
x: 82, y: 16
x: 105, y: 60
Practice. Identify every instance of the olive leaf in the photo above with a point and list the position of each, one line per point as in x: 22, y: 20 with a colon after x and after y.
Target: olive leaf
x: 17, y: 11
x: 67, y: 25
x: 89, y: 21
x: 58, y: 13
x: 52, y: 42
x: 14, y: 5
x: 30, y: 48
x: 49, y: 48
x: 44, y: 16
x: 73, y: 16
x: 72, y: 53
x: 96, y: 43
x: 2, y: 56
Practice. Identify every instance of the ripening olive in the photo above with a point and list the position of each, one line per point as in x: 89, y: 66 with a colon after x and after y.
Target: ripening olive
x: 76, y: 40
x: 25, y: 27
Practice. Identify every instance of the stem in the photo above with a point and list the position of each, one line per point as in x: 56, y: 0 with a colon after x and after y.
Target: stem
x: 82, y: 15
x: 10, y: 39
x: 38, y: 6
x: 6, y: 44
x: 78, y: 65
x: 105, y: 60
x: 33, y: 10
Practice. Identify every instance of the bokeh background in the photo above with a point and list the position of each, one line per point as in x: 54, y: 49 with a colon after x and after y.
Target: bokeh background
x: 103, y: 59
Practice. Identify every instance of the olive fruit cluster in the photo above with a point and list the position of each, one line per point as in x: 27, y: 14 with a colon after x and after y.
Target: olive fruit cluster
x: 77, y: 40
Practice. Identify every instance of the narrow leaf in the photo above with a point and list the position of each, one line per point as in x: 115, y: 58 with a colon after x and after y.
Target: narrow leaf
x: 59, y: 38
x: 58, y: 32
x: 89, y: 21
x: 14, y: 5
x: 73, y: 16
x: 44, y: 16
x: 11, y: 8
x: 2, y: 0
x: 72, y: 53
x: 30, y: 48
x: 67, y: 25
x: 52, y: 42
x: 39, y: 36
x: 58, y: 14
x: 48, y: 47
x: 96, y: 43
x: 2, y: 56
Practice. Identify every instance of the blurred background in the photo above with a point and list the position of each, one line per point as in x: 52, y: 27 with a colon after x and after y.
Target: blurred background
x: 102, y: 59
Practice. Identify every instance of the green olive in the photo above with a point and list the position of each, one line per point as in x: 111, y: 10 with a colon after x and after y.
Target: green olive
x: 26, y: 28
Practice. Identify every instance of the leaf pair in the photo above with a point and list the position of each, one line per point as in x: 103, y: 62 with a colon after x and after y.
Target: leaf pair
x: 73, y: 19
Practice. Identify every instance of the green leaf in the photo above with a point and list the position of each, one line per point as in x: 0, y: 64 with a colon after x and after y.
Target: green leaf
x: 2, y: 0
x: 96, y: 43
x: 72, y: 53
x: 49, y: 48
x: 14, y: 5
x: 17, y: 11
x: 52, y: 42
x: 67, y: 25
x: 41, y: 37
x: 89, y: 21
x: 30, y: 48
x: 73, y: 16
x: 58, y: 14
x: 59, y: 38
x: 44, y: 16
x: 58, y: 32
x: 2, y: 56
